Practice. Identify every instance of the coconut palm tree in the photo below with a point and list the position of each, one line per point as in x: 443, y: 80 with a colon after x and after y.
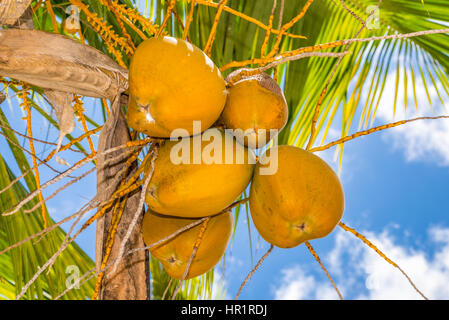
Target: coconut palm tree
x: 323, y: 53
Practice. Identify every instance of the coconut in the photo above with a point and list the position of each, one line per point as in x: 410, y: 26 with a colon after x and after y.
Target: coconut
x: 175, y: 253
x: 199, y: 176
x: 256, y: 109
x: 172, y: 83
x: 302, y: 200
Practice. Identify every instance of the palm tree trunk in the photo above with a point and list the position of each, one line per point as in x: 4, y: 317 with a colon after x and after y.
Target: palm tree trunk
x: 131, y: 280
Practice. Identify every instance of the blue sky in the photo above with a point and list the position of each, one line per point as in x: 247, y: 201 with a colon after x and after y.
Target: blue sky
x: 395, y: 185
x: 389, y: 200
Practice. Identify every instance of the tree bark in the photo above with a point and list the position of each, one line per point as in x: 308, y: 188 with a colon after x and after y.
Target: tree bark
x: 131, y: 280
x: 12, y: 10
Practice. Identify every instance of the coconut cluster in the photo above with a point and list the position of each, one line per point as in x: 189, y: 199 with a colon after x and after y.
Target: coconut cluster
x: 174, y: 86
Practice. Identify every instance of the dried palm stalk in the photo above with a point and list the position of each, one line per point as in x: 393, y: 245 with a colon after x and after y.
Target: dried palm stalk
x: 62, y: 104
x: 12, y: 10
x: 131, y: 280
x: 53, y: 61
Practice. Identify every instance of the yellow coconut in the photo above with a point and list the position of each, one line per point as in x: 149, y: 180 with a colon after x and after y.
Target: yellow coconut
x: 255, y: 109
x: 175, y: 253
x: 173, y: 83
x: 199, y: 176
x: 302, y: 200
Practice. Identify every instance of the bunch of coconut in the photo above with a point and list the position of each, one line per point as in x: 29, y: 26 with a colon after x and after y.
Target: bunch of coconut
x: 211, y: 128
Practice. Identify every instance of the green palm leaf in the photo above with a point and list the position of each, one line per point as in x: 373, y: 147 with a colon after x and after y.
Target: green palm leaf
x: 22, y: 262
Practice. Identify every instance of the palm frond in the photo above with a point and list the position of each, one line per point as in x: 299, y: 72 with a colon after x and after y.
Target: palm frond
x: 21, y: 262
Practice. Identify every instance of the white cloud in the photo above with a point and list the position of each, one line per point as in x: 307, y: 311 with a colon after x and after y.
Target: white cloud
x: 363, y: 274
x: 297, y: 285
x: 430, y: 273
x: 219, y: 287
x: 424, y: 140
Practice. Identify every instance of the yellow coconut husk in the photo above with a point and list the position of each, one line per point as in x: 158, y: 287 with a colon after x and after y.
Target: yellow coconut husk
x: 208, y: 179
x: 172, y: 83
x: 301, y: 201
x: 175, y: 253
x: 255, y: 105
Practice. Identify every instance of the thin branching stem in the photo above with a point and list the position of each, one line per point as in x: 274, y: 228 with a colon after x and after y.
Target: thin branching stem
x: 281, y: 14
x: 287, y: 26
x: 139, y: 210
x: 380, y: 253
x: 113, y: 261
x: 117, y: 213
x: 252, y: 72
x: 155, y: 244
x: 375, y: 129
x: 104, y: 205
x: 33, y: 138
x: 168, y: 14
x: 189, y: 20
x: 352, y: 13
x: 208, y: 47
x: 268, y: 32
x: 330, y: 45
x: 78, y: 108
x: 45, y: 231
x: 247, y: 18
x: 166, y: 289
x: 75, y: 167
x: 52, y: 15
x: 40, y: 161
x: 90, y: 205
x: 192, y: 256
x: 53, y: 258
x: 326, y: 86
x: 253, y: 271
x: 75, y: 180
x: 50, y: 156
x: 317, y: 258
x: 115, y: 219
